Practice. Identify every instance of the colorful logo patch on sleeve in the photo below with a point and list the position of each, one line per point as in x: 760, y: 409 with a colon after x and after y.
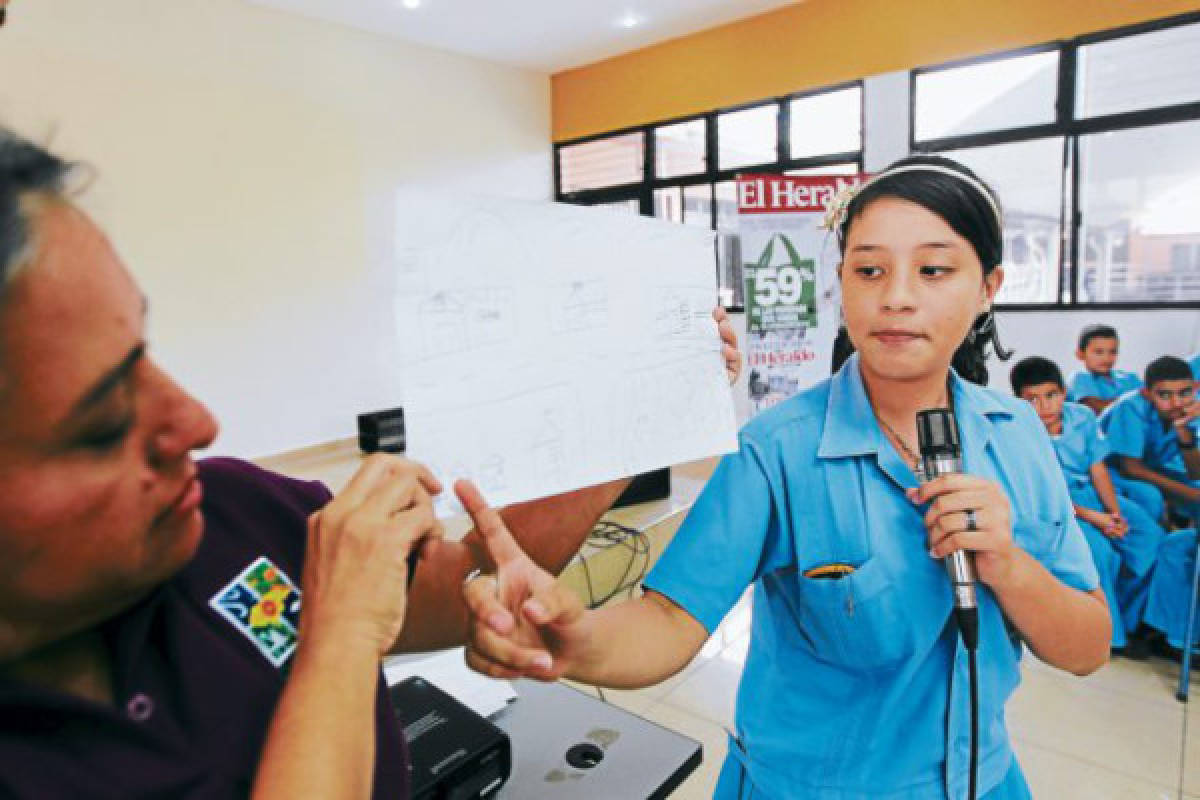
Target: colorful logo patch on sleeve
x: 264, y: 604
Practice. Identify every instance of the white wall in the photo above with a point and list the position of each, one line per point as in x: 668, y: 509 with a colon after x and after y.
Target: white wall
x: 247, y: 161
x: 1145, y: 335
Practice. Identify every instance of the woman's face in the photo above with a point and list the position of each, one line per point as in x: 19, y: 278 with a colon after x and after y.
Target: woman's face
x: 98, y: 497
x: 911, y: 287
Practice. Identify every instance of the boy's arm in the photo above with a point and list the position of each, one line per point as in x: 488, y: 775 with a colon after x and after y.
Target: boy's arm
x: 1102, y: 483
x: 1135, y: 469
x: 1096, y: 404
x: 1187, y: 446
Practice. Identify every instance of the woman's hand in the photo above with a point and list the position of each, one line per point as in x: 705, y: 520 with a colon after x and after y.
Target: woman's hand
x: 946, y: 521
x: 355, y: 570
x: 522, y: 622
x: 729, y: 345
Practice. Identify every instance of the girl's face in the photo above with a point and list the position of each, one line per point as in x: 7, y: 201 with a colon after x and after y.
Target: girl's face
x: 911, y: 287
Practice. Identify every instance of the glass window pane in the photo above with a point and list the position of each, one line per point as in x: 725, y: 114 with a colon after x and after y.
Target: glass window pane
x: 730, y: 290
x: 843, y: 168
x: 729, y: 246
x: 1139, y: 196
x: 1028, y: 177
x: 1159, y: 68
x: 995, y: 95
x: 603, y: 162
x: 727, y: 206
x: 697, y: 205
x: 826, y: 123
x: 668, y: 204
x: 748, y: 137
x: 631, y: 206
x: 679, y: 149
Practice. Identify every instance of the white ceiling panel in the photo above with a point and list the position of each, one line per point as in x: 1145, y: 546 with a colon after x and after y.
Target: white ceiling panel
x: 543, y: 35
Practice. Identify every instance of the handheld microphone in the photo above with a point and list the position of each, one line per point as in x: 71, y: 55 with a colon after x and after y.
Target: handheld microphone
x: 941, y: 454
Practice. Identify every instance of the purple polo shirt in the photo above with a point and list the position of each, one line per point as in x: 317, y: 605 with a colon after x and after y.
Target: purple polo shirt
x: 194, y: 692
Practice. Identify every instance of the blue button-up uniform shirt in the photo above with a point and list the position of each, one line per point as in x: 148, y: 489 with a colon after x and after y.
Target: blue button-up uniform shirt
x: 1106, y: 387
x: 1080, y: 445
x: 1135, y: 429
x: 858, y: 687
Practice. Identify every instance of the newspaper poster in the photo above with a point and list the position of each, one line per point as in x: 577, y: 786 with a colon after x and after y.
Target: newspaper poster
x: 790, y: 276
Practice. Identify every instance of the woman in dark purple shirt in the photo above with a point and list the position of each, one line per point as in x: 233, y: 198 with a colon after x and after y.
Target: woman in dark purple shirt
x: 152, y: 639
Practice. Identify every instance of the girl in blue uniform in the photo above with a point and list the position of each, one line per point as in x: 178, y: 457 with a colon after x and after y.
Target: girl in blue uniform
x: 856, y: 682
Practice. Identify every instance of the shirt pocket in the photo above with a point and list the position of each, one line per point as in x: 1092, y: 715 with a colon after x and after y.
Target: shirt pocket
x: 856, y: 622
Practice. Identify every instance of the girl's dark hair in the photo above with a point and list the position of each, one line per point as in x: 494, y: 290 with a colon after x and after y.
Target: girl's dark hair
x: 970, y: 215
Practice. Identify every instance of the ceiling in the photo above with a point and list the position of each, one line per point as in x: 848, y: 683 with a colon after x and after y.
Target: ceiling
x: 543, y: 35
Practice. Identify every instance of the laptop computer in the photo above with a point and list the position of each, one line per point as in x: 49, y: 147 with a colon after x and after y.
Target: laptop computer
x: 570, y: 745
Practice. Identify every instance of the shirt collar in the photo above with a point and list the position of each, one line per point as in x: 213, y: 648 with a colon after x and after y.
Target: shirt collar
x: 852, y: 430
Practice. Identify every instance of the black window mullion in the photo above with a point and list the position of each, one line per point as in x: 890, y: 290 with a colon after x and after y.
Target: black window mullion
x: 1065, y: 103
x: 711, y: 145
x: 649, y: 145
x: 783, y: 132
x: 1075, y: 221
x: 558, y: 172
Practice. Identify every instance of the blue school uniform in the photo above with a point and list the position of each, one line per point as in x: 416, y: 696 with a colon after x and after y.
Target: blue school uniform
x: 1194, y: 362
x: 1135, y: 429
x: 1079, y: 447
x: 858, y: 687
x: 1171, y: 588
x: 1106, y: 387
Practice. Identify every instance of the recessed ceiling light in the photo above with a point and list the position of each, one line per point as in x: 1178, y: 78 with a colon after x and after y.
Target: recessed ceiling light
x: 410, y: 4
x: 629, y: 21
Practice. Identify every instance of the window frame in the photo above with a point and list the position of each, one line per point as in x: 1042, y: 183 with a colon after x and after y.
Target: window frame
x: 643, y: 191
x: 1071, y: 130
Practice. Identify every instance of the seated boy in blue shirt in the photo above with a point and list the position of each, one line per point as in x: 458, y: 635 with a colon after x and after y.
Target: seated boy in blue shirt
x: 1123, y: 537
x: 1099, y: 384
x: 1153, y: 433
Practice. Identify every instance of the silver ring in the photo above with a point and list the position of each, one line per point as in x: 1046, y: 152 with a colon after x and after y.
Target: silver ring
x: 472, y: 575
x: 972, y: 523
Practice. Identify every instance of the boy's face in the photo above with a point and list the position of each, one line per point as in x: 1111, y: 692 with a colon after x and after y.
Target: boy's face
x: 1099, y: 355
x: 1047, y: 400
x: 1171, y: 399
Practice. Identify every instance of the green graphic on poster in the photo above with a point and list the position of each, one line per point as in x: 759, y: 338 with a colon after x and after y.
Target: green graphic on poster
x: 781, y: 288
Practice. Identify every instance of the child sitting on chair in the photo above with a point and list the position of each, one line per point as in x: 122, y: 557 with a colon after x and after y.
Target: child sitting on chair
x: 1123, y: 537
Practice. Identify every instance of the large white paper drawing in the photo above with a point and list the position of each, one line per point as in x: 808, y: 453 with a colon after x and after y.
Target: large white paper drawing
x: 548, y: 347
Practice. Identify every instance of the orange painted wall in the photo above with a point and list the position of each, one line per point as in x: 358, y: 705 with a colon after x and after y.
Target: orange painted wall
x: 815, y: 43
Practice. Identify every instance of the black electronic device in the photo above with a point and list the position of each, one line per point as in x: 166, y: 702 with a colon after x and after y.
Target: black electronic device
x: 653, y: 485
x: 381, y: 431
x: 941, y: 454
x: 453, y: 753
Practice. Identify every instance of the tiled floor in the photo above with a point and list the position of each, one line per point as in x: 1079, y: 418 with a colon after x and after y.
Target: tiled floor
x: 1116, y: 735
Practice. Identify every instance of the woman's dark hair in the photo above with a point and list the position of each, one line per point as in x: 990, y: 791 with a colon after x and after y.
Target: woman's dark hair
x: 971, y: 216
x: 1034, y: 371
x: 25, y: 170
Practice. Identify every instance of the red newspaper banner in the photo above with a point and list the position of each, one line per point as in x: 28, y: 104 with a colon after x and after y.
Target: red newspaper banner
x: 775, y: 194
